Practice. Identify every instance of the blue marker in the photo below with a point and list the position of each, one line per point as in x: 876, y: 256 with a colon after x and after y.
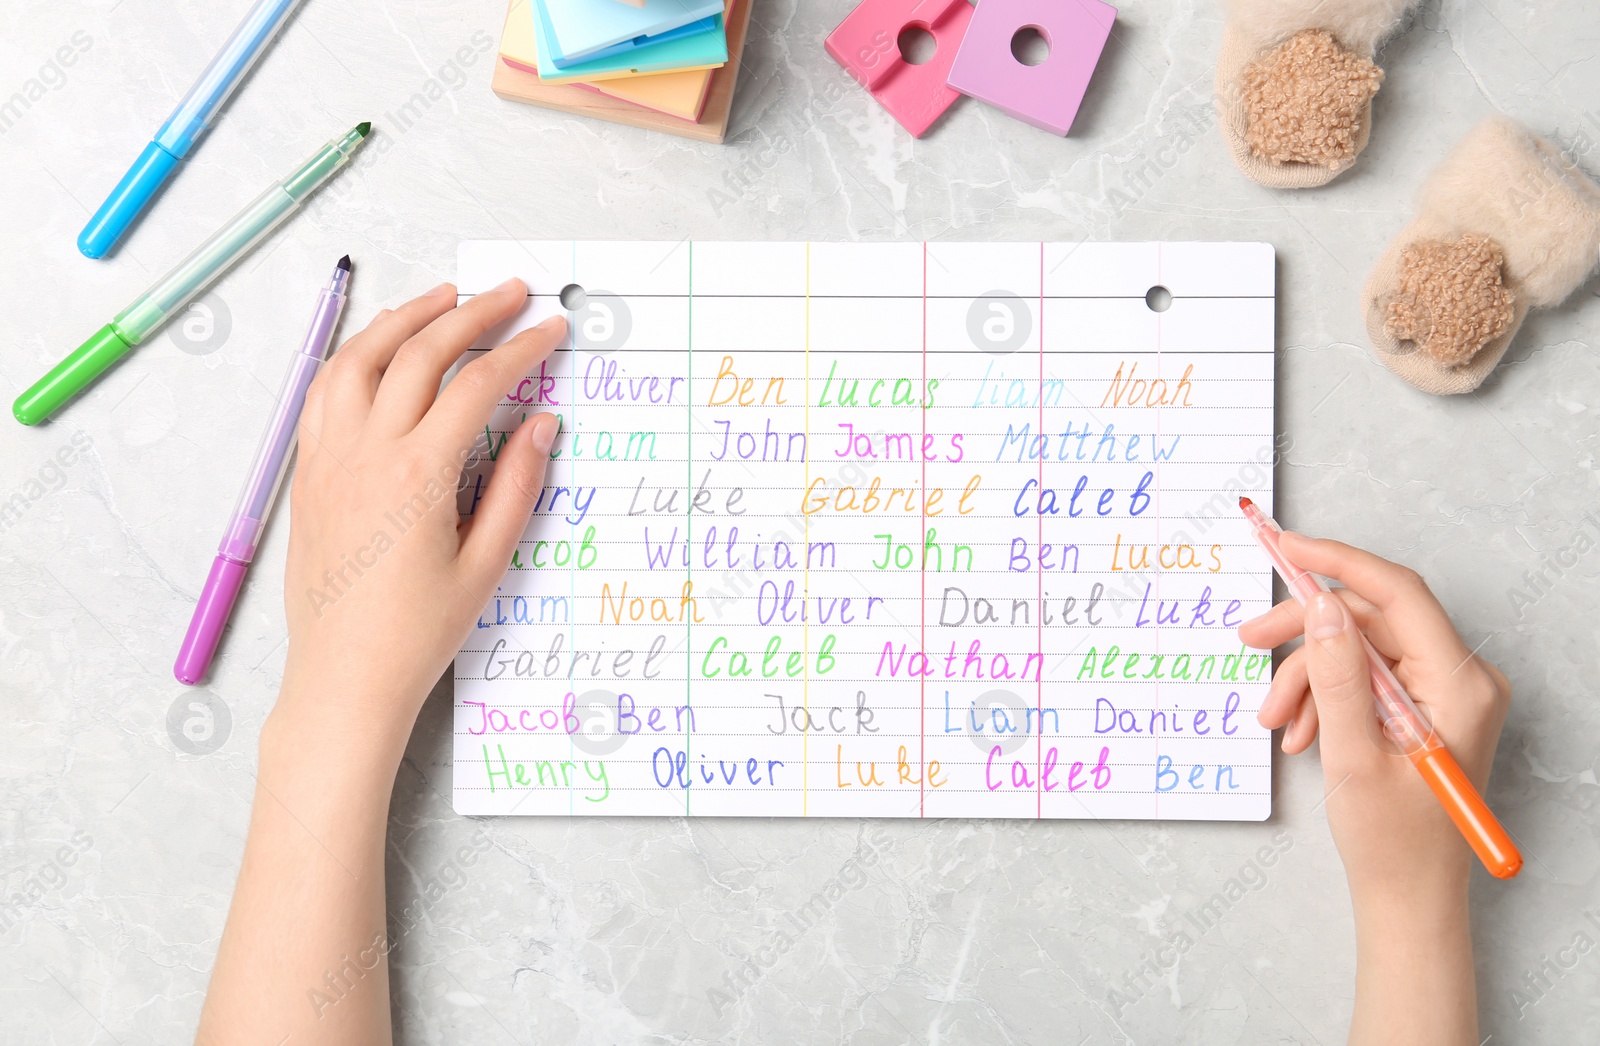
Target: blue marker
x: 186, y: 124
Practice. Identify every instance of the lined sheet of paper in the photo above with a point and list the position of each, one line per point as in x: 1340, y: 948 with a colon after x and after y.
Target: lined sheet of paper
x: 880, y: 530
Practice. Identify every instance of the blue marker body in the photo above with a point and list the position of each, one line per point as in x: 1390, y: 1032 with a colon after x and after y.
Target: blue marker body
x: 186, y: 124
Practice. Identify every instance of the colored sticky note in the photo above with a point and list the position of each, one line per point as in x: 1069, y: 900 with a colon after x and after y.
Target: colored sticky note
x: 584, y: 28
x: 678, y: 94
x: 705, y: 25
x: 682, y: 95
x: 704, y: 51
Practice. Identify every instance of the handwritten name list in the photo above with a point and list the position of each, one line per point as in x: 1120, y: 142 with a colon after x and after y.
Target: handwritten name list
x: 880, y: 530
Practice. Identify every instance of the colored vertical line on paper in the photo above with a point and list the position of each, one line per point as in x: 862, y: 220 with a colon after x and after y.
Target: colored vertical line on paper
x: 688, y: 534
x: 572, y: 530
x: 805, y: 576
x: 922, y: 599
x: 1038, y: 617
x: 1159, y: 315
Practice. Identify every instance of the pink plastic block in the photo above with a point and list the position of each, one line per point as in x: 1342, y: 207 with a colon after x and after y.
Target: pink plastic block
x: 1046, y: 95
x: 865, y: 43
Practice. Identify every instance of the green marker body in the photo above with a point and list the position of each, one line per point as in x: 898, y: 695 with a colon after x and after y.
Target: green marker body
x: 180, y: 286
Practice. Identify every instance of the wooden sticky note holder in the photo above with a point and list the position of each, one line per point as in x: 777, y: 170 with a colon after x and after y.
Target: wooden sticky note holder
x: 516, y: 85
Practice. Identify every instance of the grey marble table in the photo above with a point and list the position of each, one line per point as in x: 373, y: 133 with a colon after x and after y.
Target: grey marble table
x: 123, y: 847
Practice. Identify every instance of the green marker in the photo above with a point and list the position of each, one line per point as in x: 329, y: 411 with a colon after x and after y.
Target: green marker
x: 192, y: 275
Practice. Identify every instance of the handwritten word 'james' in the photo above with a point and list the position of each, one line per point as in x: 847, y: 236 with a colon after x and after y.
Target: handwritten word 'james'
x: 897, y: 446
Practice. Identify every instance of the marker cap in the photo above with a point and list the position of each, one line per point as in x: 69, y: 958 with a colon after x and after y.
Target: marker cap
x: 143, y: 180
x: 210, y: 618
x: 68, y: 378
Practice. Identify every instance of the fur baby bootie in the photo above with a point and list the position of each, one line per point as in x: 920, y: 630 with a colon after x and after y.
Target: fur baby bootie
x: 1295, y: 80
x: 1506, y: 224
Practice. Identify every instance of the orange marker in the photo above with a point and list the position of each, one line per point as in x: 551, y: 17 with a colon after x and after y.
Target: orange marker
x: 1405, y: 723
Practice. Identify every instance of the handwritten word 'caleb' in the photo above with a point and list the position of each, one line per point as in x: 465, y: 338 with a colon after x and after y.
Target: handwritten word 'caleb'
x: 1046, y: 502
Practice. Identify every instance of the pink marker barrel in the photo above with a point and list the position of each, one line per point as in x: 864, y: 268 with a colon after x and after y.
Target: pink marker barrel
x: 210, y: 618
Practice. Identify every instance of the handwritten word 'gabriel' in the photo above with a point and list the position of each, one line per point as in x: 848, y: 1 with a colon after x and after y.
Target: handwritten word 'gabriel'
x: 875, y: 499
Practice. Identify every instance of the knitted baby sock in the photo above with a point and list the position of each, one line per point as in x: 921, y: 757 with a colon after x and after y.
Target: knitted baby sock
x: 1506, y: 224
x: 1295, y: 81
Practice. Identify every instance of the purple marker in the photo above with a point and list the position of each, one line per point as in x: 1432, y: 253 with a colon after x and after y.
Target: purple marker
x: 238, y: 545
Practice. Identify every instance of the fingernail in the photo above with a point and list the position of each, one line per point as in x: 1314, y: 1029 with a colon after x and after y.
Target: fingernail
x: 543, y: 432
x: 1253, y: 620
x: 1326, y: 616
x: 441, y: 291
x: 550, y: 323
x: 1288, y: 732
x: 506, y: 284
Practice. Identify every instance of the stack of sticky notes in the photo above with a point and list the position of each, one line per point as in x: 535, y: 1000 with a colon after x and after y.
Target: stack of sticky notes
x: 666, y: 65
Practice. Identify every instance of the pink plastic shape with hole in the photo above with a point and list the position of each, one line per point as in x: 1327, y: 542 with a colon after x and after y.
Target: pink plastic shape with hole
x: 1046, y: 95
x: 866, y: 44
